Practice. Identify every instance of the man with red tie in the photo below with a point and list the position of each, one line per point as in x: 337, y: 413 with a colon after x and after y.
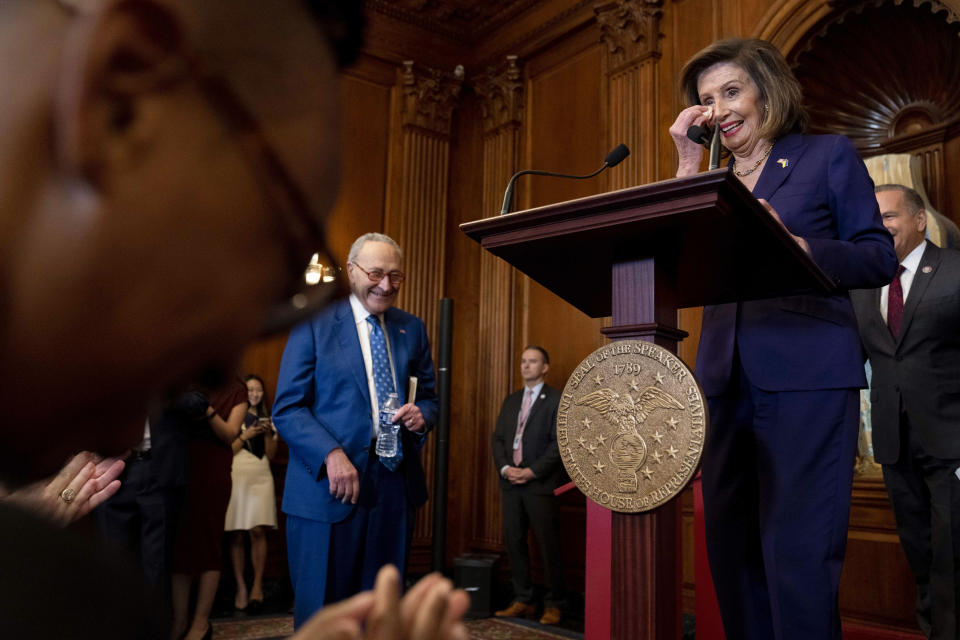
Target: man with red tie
x: 909, y: 332
x: 528, y: 460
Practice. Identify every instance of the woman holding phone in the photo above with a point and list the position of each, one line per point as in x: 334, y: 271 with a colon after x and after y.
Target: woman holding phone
x: 253, y: 503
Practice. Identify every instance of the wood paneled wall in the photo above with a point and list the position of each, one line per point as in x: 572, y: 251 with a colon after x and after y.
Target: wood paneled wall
x: 554, y: 88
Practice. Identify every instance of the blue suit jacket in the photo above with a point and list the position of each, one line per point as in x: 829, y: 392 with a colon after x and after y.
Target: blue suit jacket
x: 323, y: 402
x: 821, y: 189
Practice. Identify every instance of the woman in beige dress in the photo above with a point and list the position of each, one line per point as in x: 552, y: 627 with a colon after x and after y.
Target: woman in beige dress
x: 253, y: 502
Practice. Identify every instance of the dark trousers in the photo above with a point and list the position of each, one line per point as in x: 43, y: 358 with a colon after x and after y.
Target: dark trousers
x: 777, y: 477
x: 925, y: 493
x: 142, y: 518
x: 521, y: 511
x: 333, y: 561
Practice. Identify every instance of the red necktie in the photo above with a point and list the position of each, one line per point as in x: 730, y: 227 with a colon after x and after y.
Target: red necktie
x: 521, y: 423
x: 895, y: 304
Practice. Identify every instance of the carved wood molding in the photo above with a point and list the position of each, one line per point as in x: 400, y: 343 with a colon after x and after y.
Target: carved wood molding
x: 546, y: 31
x: 787, y: 21
x: 458, y: 20
x: 897, y: 61
x: 501, y: 96
x: 630, y: 29
x: 429, y: 98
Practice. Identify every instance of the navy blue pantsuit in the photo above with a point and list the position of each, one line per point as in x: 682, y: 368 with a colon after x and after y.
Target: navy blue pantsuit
x: 777, y: 472
x: 781, y: 377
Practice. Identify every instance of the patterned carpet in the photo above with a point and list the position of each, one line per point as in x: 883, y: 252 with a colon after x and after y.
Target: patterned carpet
x: 253, y: 628
x: 495, y: 629
x: 274, y: 627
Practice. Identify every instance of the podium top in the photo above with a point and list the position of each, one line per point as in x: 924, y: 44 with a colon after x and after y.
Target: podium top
x: 707, y: 229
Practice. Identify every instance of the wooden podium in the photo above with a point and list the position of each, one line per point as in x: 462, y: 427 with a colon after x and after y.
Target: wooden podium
x: 638, y: 255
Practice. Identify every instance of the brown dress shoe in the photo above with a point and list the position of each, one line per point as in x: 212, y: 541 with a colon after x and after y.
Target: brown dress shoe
x: 516, y: 610
x: 551, y: 615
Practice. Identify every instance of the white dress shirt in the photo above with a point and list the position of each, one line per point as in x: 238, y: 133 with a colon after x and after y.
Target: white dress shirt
x: 363, y: 332
x: 910, y: 265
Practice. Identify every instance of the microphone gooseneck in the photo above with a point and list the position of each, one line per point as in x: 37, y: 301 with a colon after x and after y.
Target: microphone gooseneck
x: 615, y: 157
x: 715, y: 149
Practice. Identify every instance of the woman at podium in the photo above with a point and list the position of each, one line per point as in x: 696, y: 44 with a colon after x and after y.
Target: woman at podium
x: 782, y: 375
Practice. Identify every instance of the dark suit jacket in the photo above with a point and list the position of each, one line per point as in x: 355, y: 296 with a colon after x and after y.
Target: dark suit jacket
x: 540, y: 451
x: 323, y: 402
x: 921, y: 367
x: 822, y: 192
x: 170, y: 430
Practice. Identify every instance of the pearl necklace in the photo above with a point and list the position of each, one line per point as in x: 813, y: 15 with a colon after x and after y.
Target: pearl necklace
x: 743, y: 174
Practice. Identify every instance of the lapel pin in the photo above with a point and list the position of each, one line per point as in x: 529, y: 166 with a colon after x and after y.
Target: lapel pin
x: 927, y: 269
x: 783, y: 162
x: 543, y: 396
x: 403, y: 331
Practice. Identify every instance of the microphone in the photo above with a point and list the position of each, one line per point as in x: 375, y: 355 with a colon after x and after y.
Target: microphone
x: 613, y: 158
x: 709, y: 139
x: 700, y: 135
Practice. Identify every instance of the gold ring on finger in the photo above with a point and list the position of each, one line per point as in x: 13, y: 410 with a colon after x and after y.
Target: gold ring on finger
x: 68, y: 494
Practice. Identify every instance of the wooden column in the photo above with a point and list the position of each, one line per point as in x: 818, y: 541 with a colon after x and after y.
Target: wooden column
x: 636, y: 587
x: 631, y: 31
x: 645, y: 571
x: 422, y: 106
x: 501, y: 102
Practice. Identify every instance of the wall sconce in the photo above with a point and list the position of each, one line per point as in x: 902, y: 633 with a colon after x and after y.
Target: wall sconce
x: 317, y: 272
x: 314, y: 272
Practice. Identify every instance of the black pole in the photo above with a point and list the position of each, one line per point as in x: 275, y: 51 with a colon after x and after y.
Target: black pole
x: 445, y: 331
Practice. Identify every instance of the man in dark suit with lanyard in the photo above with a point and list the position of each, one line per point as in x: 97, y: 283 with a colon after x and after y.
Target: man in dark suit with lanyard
x: 527, y: 458
x: 910, y: 333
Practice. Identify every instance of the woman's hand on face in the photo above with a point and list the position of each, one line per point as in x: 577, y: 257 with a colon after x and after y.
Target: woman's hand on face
x: 689, y: 152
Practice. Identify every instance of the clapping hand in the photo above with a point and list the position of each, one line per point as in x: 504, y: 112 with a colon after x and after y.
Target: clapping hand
x: 431, y: 610
x: 85, y: 482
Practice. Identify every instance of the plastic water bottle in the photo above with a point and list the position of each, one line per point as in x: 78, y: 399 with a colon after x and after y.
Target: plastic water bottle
x: 387, y: 430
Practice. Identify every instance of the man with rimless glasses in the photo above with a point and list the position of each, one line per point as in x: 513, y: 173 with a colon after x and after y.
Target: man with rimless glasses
x: 349, y: 510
